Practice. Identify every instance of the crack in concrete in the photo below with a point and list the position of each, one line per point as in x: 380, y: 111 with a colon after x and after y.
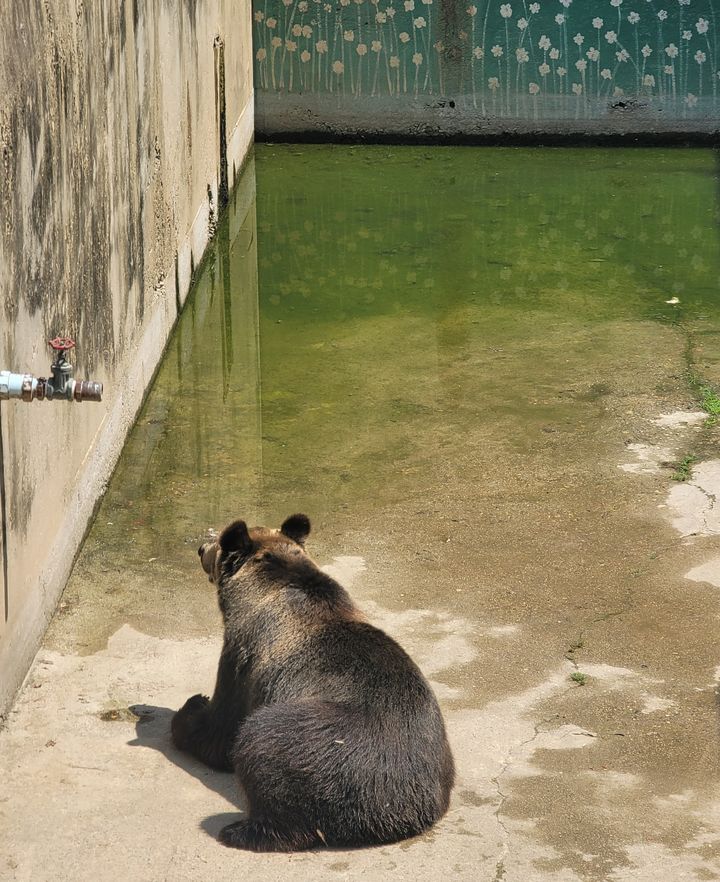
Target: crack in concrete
x: 505, y: 836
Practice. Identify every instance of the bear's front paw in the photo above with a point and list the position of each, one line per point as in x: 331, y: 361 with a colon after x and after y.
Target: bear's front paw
x: 184, y: 722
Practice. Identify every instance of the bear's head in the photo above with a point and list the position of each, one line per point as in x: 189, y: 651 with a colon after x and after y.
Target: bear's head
x: 255, y: 549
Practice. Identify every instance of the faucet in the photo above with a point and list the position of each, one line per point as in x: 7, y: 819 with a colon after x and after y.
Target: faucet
x: 59, y: 387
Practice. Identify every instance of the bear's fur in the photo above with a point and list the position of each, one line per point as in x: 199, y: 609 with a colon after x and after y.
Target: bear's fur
x: 334, y: 733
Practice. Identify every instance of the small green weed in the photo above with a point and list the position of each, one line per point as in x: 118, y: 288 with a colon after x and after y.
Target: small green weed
x: 710, y: 401
x: 683, y: 469
x: 580, y: 679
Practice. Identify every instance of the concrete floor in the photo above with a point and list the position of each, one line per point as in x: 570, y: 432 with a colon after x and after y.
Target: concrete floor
x: 613, y: 780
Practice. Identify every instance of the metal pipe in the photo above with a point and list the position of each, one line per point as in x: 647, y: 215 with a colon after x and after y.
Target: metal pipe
x: 59, y: 387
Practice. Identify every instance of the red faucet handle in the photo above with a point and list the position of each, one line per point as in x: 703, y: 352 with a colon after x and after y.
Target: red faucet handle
x: 61, y: 344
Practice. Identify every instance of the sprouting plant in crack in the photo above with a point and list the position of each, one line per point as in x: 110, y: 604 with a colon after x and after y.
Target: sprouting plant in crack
x: 579, y: 678
x: 709, y: 398
x: 710, y: 402
x: 683, y: 469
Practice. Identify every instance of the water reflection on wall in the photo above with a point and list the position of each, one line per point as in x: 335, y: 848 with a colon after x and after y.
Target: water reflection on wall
x: 198, y: 436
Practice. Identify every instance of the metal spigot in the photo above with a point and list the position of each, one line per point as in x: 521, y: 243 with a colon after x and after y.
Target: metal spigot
x: 59, y: 387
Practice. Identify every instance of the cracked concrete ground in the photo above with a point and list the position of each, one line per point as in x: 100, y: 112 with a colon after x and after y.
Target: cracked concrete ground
x: 496, y: 490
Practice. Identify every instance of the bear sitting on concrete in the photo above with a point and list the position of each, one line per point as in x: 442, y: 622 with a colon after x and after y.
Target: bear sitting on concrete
x: 334, y: 733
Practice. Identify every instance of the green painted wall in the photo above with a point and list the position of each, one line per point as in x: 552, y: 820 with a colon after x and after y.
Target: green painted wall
x: 553, y: 59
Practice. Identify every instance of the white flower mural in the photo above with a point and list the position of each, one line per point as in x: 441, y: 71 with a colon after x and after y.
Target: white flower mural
x: 507, y: 58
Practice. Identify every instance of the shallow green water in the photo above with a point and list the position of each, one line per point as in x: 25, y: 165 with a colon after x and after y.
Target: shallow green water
x: 406, y: 325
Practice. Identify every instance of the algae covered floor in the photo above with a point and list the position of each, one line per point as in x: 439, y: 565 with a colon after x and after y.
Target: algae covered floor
x: 482, y: 375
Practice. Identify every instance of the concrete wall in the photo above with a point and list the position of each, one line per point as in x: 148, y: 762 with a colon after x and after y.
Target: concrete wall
x: 114, y: 128
x: 473, y: 69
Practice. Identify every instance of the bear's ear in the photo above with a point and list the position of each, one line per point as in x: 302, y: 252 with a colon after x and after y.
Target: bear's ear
x: 297, y: 528
x: 235, y: 537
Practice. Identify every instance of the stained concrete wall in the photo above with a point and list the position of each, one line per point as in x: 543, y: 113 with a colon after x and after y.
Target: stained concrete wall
x: 121, y: 126
x: 470, y: 70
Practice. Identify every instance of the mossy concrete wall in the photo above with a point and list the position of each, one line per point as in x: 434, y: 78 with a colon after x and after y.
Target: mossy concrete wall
x: 122, y: 126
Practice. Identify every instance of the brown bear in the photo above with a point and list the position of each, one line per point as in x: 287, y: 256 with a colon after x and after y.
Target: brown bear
x: 331, y: 728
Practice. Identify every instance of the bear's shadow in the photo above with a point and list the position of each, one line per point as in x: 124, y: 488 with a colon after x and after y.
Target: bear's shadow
x: 152, y: 730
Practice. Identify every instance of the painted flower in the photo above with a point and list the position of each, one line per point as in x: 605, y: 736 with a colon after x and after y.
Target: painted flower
x: 669, y: 69
x: 296, y: 30
x: 302, y: 6
x: 522, y: 23
x: 506, y: 10
x: 404, y: 37
x: 561, y: 71
x: 394, y: 61
x: 307, y: 32
x: 581, y: 65
x: 327, y: 7
x: 321, y: 47
x: 417, y: 59
x: 597, y: 23
x: 566, y: 3
x: 427, y: 2
x: 560, y: 18
x: 554, y: 54
x: 687, y: 35
x: 522, y: 55
x: 616, y: 3
x: 259, y: 15
x: 618, y: 92
x: 672, y: 51
x: 348, y: 36
x: 691, y: 100
x: 702, y: 26
x: 646, y: 51
x: 376, y: 46
x: 649, y: 80
x: 472, y: 10
x: 593, y: 54
x: 420, y: 22
x: 577, y: 88
x: 276, y: 42
x: 271, y: 23
x: 611, y: 37
x: 700, y: 57
x: 662, y: 15
x: 544, y: 69
x: 534, y: 8
x: 261, y: 54
x: 605, y: 73
x: 478, y: 52
x: 381, y: 17
x: 390, y: 12
x: 497, y: 51
x: 578, y: 39
x: 361, y: 49
x: 439, y: 46
x: 305, y: 56
x: 622, y: 55
x: 290, y: 45
x: 494, y: 83
x: 544, y: 42
x: 409, y: 5
x: 338, y: 67
x: 633, y: 18
x: 533, y: 88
